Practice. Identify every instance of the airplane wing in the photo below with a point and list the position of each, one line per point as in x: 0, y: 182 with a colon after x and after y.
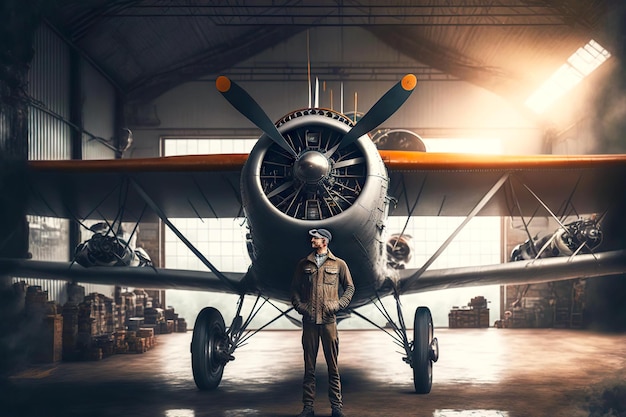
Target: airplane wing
x: 425, y: 184
x: 144, y: 277
x: 520, y: 272
x: 180, y: 186
x: 431, y: 184
x: 439, y: 184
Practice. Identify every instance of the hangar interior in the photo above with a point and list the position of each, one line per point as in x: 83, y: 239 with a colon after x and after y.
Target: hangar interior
x: 99, y: 68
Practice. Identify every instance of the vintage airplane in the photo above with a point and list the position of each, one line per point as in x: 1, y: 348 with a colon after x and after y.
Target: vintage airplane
x: 315, y: 168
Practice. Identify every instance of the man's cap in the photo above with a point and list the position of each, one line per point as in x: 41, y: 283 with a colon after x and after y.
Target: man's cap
x: 323, y: 233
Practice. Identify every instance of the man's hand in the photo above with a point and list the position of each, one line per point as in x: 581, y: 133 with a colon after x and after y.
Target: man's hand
x: 333, y: 307
x: 303, y: 309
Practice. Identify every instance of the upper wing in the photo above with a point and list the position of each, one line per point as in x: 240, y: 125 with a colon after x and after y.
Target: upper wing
x: 180, y: 186
x: 144, y: 277
x: 434, y: 184
x: 423, y: 183
x: 521, y: 272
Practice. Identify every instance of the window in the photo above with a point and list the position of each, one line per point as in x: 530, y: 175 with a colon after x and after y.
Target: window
x: 578, y: 66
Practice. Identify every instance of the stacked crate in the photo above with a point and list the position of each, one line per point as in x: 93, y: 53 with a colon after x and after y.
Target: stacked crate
x: 475, y: 315
x: 141, y: 302
x: 120, y: 344
x: 104, y: 344
x: 147, y: 334
x: 49, y: 346
x: 154, y: 318
x: 95, y: 324
x: 36, y: 302
x: 135, y: 323
x: 48, y: 342
x: 70, y: 331
x: 110, y: 316
x: 128, y: 300
x: 178, y: 324
x: 140, y: 341
x: 181, y: 325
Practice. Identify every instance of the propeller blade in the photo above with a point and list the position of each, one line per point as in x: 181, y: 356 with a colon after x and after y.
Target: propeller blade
x: 245, y: 104
x: 384, y: 107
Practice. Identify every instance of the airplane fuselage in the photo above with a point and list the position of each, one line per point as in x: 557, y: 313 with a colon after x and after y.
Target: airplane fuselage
x: 344, y: 191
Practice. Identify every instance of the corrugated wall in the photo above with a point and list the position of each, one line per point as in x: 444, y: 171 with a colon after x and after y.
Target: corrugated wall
x: 49, y: 86
x: 98, y: 114
x: 50, y: 138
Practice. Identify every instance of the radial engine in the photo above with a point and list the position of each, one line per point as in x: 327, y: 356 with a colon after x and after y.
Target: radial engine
x: 106, y: 248
x: 583, y: 235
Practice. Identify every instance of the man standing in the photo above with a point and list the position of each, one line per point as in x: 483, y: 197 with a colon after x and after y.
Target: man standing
x: 315, y: 295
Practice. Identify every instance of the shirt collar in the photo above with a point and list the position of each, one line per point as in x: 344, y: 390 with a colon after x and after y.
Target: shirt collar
x: 311, y: 256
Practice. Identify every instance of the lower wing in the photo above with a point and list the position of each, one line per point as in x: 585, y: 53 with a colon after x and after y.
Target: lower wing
x: 144, y: 277
x: 520, y: 272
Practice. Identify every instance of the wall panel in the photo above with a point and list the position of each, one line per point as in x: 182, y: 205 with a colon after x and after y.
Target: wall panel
x: 98, y: 114
x: 48, y: 87
x: 50, y: 130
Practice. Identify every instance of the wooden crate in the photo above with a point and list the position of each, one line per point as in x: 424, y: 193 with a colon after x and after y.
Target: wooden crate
x: 50, y: 346
x: 468, y: 318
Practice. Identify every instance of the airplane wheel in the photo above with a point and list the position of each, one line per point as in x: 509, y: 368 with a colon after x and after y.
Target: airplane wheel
x: 425, y: 351
x: 209, y: 349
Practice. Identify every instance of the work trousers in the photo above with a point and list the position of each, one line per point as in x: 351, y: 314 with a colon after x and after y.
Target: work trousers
x: 311, y: 335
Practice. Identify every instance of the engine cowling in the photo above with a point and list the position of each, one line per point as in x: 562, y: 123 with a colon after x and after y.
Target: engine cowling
x: 344, y: 190
x: 317, y: 184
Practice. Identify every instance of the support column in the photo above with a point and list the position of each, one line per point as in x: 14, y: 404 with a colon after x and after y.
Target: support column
x: 19, y: 20
x: 76, y: 118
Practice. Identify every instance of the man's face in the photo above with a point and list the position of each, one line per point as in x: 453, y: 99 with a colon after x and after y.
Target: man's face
x: 318, y: 242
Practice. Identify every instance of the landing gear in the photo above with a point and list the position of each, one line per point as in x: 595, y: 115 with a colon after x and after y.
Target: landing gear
x: 209, y: 349
x: 425, y: 351
x: 213, y: 346
x: 422, y: 351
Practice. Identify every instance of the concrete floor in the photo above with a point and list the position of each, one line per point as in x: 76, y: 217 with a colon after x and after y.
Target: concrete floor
x: 481, y: 372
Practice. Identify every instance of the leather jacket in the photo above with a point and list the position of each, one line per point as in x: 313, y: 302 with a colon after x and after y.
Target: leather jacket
x: 315, y: 291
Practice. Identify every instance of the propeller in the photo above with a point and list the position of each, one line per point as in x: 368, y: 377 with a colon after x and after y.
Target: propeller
x: 245, y: 104
x: 381, y: 111
x: 384, y: 107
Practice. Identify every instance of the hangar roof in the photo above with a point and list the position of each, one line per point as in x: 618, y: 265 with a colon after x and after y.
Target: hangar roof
x: 507, y: 46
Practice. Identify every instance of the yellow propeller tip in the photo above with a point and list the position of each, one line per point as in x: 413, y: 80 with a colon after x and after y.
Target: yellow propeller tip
x: 409, y: 82
x: 222, y: 83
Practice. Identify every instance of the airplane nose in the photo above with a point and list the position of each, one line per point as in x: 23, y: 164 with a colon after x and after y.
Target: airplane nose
x: 311, y: 167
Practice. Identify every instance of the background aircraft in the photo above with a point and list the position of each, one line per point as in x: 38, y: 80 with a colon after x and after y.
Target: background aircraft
x: 316, y: 168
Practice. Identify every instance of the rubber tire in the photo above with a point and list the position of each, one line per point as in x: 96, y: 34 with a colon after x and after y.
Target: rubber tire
x: 208, y: 330
x: 422, y: 363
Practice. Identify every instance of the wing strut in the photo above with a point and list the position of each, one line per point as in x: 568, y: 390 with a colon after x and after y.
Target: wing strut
x: 545, y: 206
x: 411, y: 209
x: 524, y: 222
x: 482, y: 203
x: 182, y: 237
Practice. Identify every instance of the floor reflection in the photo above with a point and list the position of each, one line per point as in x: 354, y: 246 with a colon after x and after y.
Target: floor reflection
x: 481, y: 372
x: 180, y: 413
x: 470, y: 413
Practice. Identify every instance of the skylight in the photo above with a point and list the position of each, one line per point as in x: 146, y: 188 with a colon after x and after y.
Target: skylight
x: 582, y: 63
